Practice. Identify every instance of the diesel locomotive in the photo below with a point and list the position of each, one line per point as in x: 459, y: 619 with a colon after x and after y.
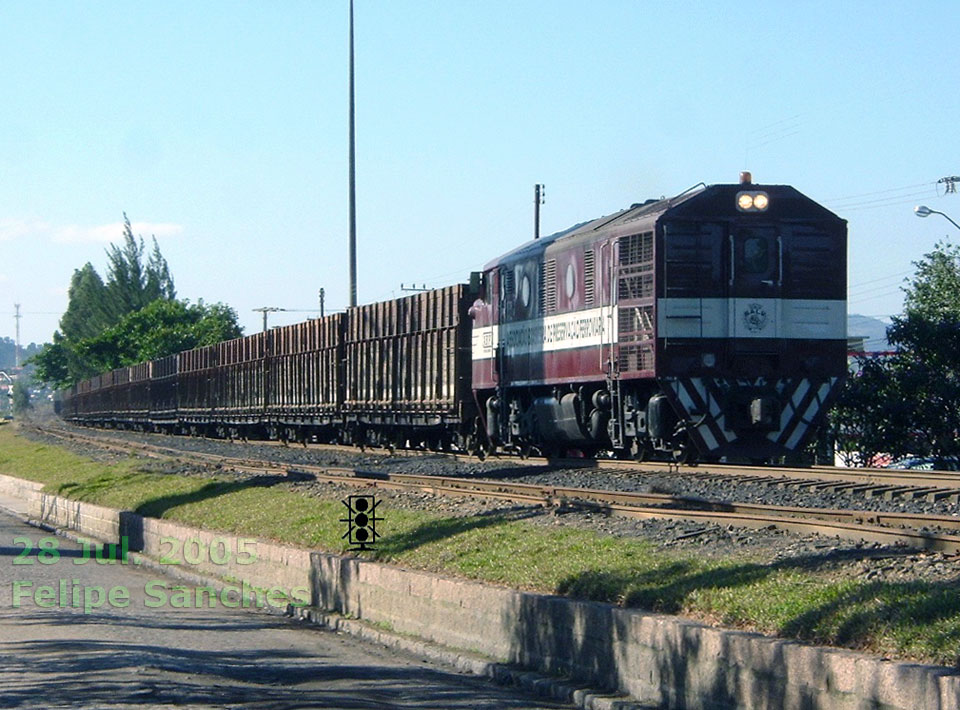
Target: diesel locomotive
x: 710, y: 325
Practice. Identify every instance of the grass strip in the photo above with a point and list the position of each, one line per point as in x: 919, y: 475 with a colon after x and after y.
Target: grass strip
x: 804, y: 598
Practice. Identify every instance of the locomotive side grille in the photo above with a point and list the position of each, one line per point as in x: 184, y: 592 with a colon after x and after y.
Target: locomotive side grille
x: 589, y: 277
x: 509, y: 292
x: 636, y: 287
x: 635, y: 295
x: 636, y: 357
x: 548, y: 286
x: 636, y: 249
x: 636, y: 323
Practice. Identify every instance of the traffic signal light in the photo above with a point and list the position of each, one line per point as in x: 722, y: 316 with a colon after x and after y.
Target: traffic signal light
x: 361, y: 521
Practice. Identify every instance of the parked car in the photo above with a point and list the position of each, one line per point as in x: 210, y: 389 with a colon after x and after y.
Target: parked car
x: 926, y: 463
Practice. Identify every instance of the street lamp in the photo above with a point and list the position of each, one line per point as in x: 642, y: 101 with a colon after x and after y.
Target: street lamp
x: 924, y: 211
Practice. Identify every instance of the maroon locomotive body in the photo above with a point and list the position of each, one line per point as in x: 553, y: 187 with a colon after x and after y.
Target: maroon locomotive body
x: 712, y: 324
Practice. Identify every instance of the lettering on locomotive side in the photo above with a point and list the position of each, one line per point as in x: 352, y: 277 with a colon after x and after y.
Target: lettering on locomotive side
x: 558, y: 332
x: 578, y: 330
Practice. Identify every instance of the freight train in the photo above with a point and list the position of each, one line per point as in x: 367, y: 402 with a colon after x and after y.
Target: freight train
x: 710, y: 325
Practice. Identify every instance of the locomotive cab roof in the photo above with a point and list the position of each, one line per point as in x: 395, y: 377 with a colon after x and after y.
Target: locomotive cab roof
x: 707, y: 203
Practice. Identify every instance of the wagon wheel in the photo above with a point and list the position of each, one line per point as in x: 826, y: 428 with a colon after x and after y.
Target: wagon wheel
x: 686, y: 454
x: 638, y: 450
x: 476, y: 440
x: 478, y: 449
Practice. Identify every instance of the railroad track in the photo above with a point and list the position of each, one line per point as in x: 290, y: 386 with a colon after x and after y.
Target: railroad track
x: 889, y: 484
x: 931, y: 532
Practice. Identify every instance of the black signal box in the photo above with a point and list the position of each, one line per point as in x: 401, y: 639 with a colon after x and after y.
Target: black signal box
x: 361, y: 521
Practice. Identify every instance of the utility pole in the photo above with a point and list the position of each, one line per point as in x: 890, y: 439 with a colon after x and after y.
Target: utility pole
x: 265, y: 310
x: 353, y: 179
x: 321, y: 302
x: 539, y: 197
x: 17, y: 316
x: 950, y: 183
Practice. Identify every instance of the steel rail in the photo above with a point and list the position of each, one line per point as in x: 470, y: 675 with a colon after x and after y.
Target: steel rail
x: 879, y: 477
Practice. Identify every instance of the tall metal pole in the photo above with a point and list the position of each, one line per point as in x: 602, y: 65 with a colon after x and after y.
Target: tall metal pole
x: 353, y: 179
x: 16, y: 357
x: 265, y: 310
x: 539, y: 195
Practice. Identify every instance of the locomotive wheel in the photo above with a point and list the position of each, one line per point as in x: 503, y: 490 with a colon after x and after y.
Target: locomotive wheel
x: 686, y: 455
x: 639, y: 451
x: 481, y: 453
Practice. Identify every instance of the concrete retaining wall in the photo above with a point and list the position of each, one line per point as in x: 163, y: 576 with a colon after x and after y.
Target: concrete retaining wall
x: 29, y: 491
x: 661, y: 660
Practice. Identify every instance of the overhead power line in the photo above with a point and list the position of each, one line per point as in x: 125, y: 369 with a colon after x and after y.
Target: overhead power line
x: 880, y: 192
x: 275, y: 309
x: 891, y: 199
x: 861, y: 284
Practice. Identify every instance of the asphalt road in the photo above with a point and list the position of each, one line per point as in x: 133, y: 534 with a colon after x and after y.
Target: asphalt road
x: 65, y: 642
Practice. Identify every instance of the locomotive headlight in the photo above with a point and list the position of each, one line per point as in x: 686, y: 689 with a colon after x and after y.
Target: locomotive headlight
x: 752, y: 201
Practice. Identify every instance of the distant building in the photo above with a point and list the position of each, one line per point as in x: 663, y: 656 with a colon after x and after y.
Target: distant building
x: 856, y: 344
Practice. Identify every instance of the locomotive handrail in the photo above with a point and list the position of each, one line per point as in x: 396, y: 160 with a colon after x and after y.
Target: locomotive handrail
x: 733, y: 259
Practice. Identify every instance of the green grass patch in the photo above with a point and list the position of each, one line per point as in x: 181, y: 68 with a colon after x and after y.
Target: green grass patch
x: 805, y: 599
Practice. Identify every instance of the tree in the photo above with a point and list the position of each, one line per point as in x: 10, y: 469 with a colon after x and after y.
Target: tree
x: 861, y: 417
x: 131, y: 283
x: 161, y: 328
x: 21, y: 397
x: 87, y: 308
x: 53, y: 364
x: 132, y: 317
x: 934, y: 291
x: 909, y: 402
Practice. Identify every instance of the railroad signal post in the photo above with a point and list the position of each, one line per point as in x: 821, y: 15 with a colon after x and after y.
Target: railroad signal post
x: 361, y: 521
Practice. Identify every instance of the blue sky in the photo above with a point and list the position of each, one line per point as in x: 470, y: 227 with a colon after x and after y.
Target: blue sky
x: 220, y: 127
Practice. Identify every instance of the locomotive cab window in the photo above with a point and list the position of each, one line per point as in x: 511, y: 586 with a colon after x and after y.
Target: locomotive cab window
x: 756, y: 255
x: 756, y: 261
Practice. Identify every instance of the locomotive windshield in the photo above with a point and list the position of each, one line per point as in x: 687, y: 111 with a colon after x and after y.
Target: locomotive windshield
x: 756, y: 255
x: 756, y: 261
